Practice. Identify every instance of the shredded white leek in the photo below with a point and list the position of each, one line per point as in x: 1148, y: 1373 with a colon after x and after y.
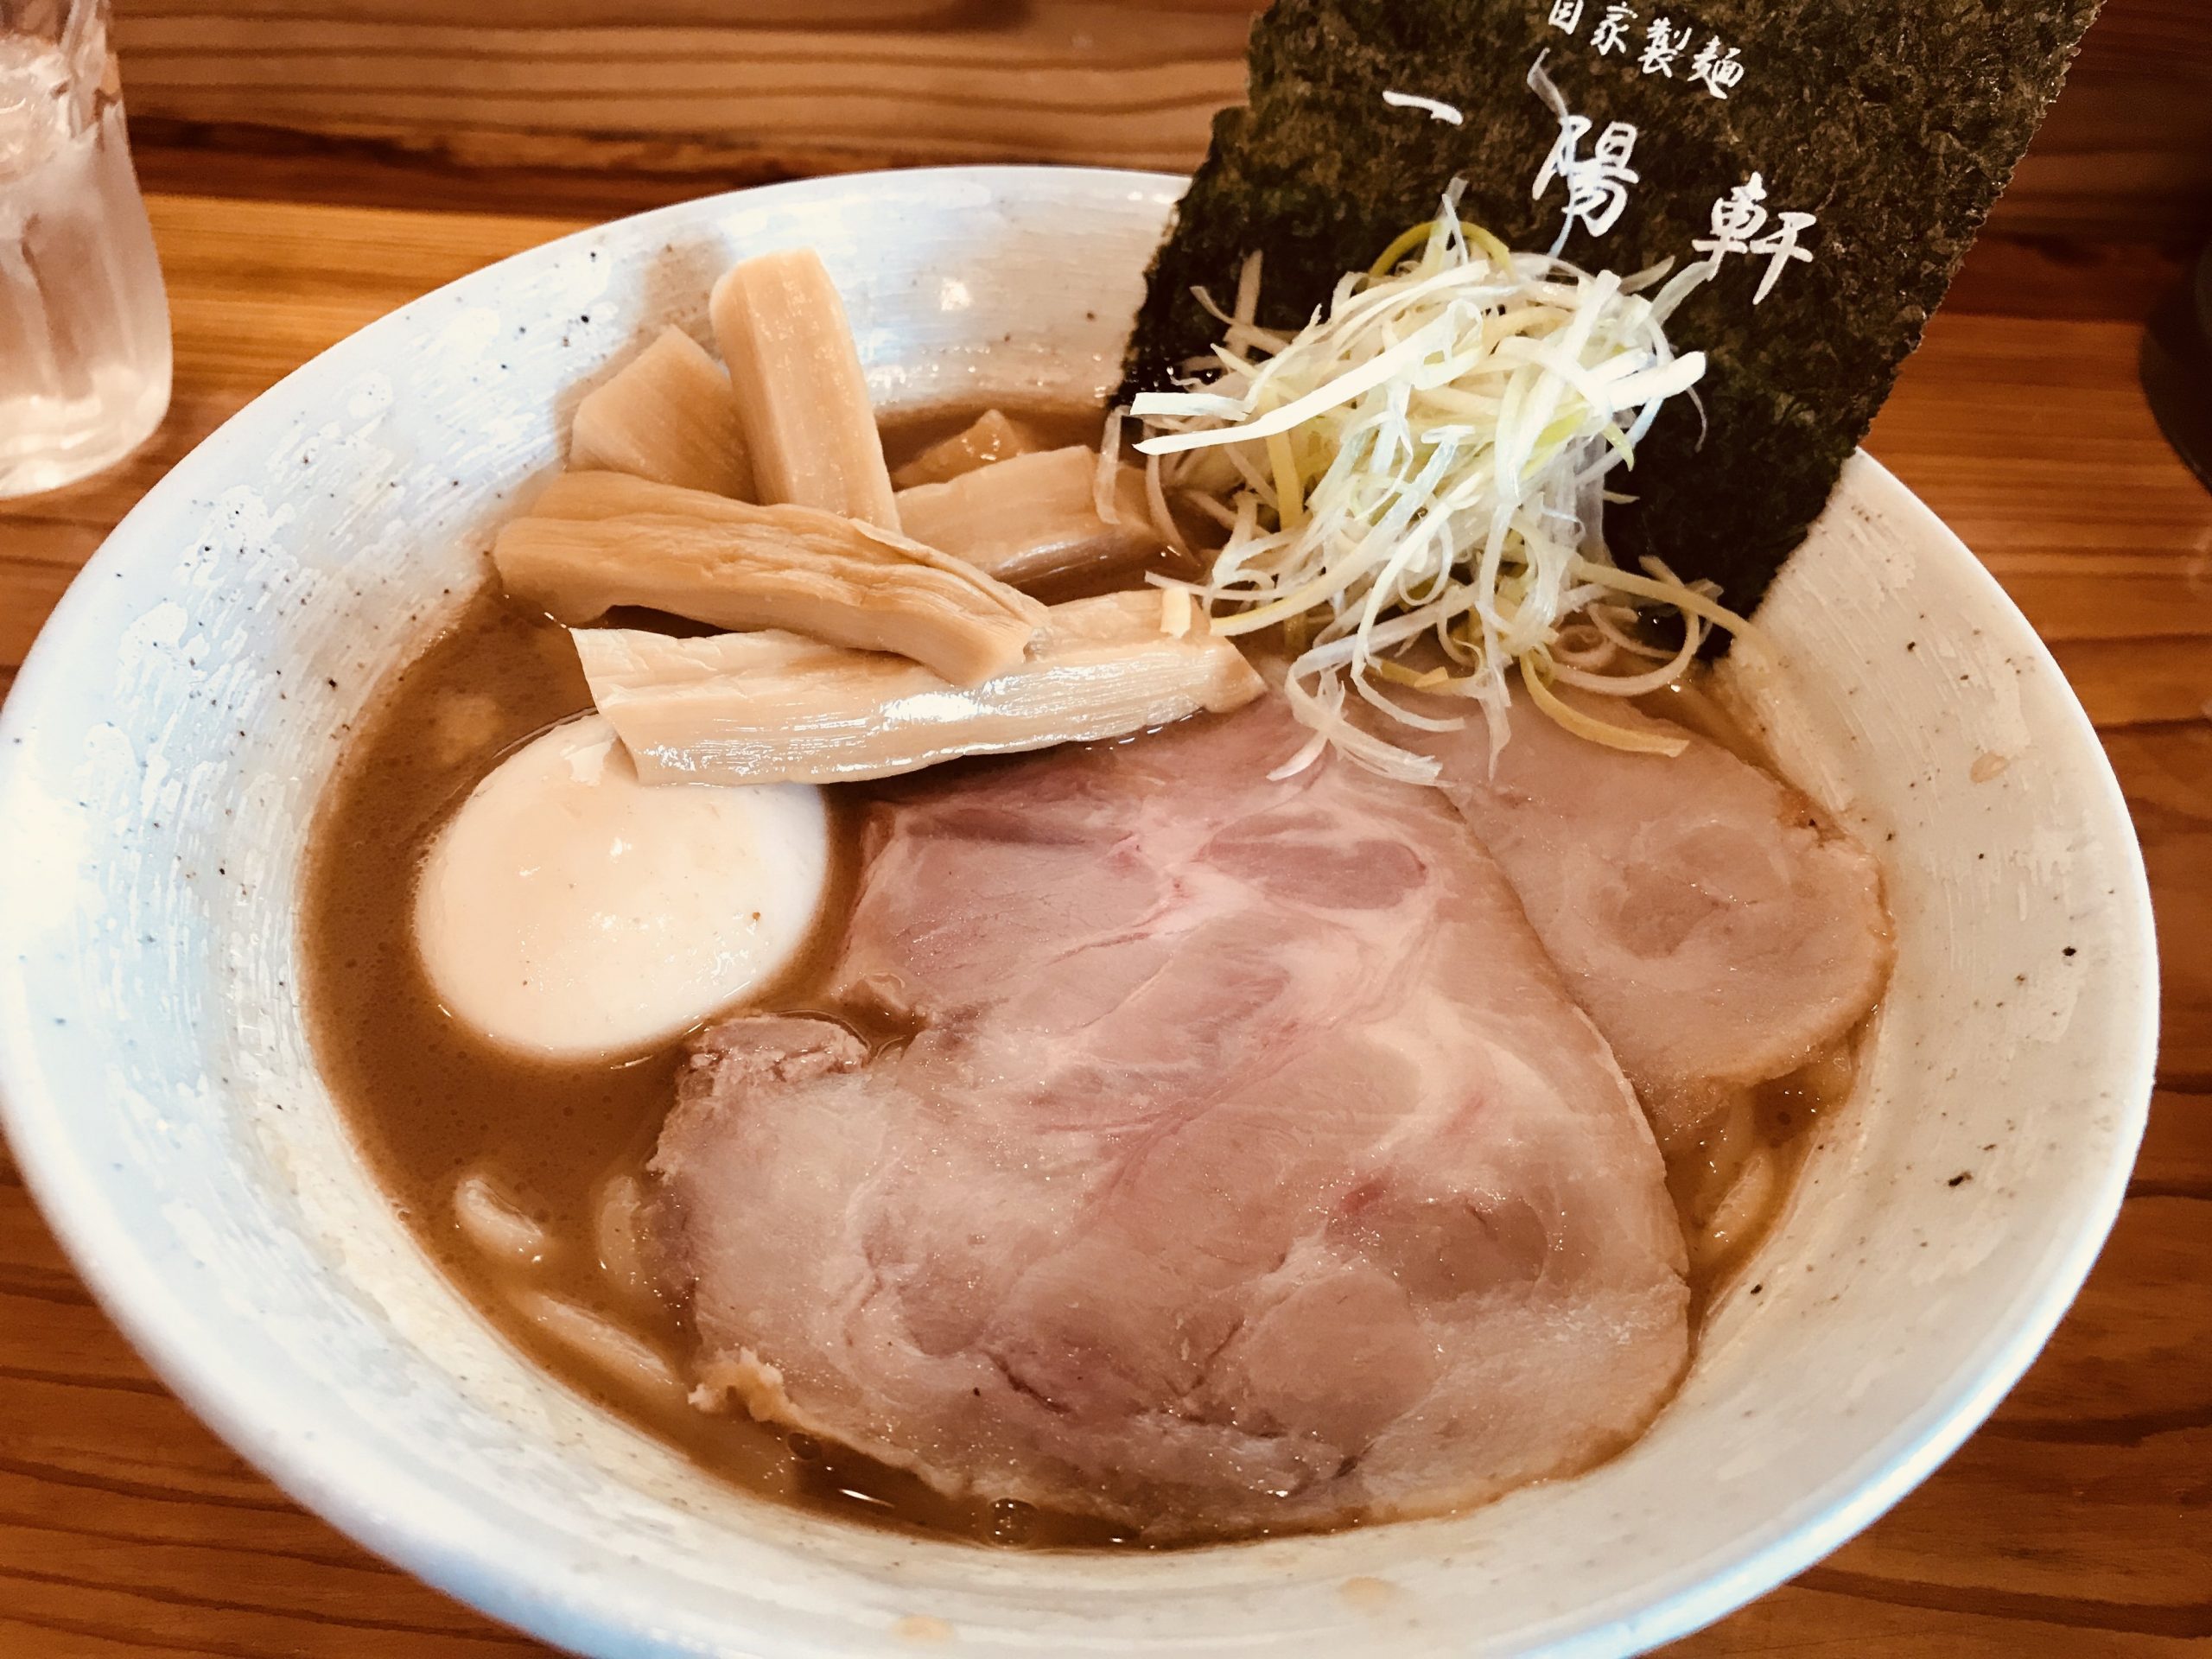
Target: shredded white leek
x: 1174, y: 613
x: 1419, y: 473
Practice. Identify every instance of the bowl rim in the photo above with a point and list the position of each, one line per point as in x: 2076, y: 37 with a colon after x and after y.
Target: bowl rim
x: 329, y: 1466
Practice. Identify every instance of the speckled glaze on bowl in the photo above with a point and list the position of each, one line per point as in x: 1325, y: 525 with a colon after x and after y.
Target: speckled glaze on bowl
x: 162, y: 755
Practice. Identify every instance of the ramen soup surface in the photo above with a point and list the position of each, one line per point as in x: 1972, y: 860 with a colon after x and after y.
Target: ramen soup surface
x: 522, y: 1177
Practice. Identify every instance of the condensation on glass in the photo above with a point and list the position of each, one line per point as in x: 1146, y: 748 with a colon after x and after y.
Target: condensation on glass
x: 84, y: 323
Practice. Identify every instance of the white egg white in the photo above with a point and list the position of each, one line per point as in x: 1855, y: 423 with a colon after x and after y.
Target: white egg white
x: 571, y: 911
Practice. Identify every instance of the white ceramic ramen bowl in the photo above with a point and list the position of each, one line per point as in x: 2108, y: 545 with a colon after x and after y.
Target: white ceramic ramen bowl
x: 161, y: 756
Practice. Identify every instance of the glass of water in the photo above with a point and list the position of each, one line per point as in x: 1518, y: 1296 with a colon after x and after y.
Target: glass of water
x: 84, y: 323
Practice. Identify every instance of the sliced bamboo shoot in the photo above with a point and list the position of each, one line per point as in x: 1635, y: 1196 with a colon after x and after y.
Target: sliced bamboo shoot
x: 994, y: 437
x: 614, y: 495
x: 669, y: 414
x: 770, y: 707
x: 784, y: 566
x: 800, y: 393
x: 618, y: 495
x: 1032, y: 517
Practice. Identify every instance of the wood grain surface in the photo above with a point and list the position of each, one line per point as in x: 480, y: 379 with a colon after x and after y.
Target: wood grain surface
x: 2078, y: 1521
x: 601, y: 105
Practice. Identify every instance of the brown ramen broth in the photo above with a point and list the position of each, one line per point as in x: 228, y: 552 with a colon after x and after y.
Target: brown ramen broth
x: 430, y: 1101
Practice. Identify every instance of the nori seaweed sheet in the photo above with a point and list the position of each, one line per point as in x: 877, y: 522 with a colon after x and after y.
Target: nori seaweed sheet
x: 1895, y: 121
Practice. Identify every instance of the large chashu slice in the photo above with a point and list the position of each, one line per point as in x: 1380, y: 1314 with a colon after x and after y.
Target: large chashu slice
x: 1251, y: 1167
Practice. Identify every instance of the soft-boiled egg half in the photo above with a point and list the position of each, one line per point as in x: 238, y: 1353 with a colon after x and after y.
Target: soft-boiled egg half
x: 569, y: 910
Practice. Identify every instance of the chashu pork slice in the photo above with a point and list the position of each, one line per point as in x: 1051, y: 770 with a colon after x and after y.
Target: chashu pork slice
x: 1713, y: 924
x: 1251, y: 1165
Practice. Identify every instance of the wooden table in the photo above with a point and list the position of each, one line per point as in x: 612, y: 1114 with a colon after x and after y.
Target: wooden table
x: 2078, y: 1521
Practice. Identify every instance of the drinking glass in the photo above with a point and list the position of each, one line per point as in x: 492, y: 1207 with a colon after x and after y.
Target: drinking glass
x: 84, y: 323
